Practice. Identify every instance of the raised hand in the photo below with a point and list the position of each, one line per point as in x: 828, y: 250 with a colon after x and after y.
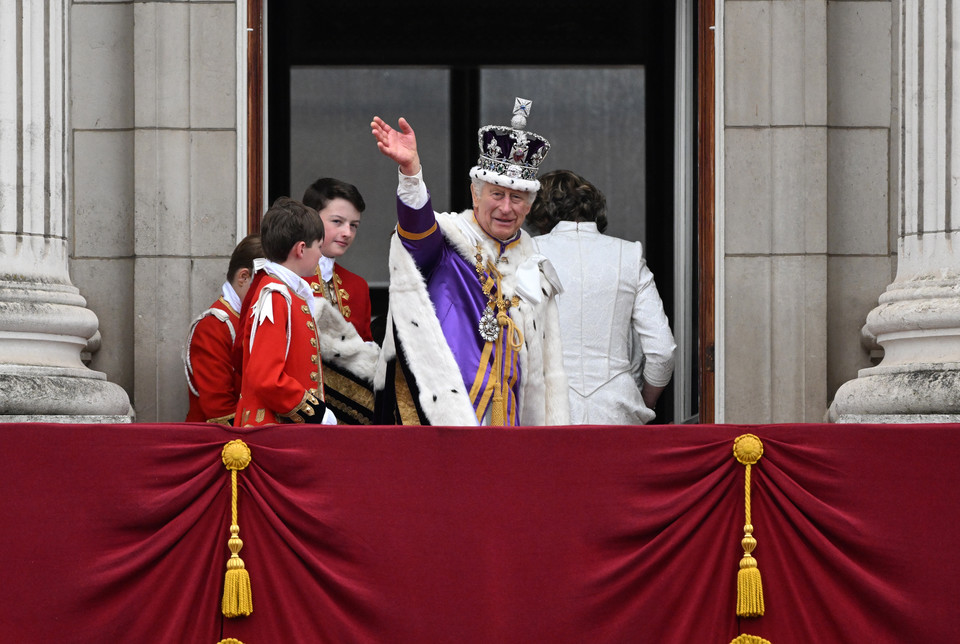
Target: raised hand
x: 399, y: 145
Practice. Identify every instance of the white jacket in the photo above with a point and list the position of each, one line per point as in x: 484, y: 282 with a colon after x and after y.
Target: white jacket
x: 609, y: 303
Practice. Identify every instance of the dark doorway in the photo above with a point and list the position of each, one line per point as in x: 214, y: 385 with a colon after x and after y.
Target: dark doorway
x: 462, y: 70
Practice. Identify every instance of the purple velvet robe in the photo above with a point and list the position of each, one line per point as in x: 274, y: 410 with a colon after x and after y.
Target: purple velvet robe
x: 458, y: 299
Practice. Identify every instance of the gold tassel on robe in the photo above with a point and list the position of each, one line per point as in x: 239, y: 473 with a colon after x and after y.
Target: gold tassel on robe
x: 748, y: 449
x: 237, y: 597
x: 512, y: 337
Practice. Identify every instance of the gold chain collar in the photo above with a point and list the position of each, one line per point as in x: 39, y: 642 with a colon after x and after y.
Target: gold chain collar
x: 495, y: 315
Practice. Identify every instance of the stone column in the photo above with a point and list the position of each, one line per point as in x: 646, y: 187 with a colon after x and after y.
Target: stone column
x: 917, y: 321
x: 44, y: 322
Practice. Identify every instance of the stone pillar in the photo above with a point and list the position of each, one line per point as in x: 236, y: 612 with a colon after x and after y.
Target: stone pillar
x: 44, y: 322
x: 917, y: 321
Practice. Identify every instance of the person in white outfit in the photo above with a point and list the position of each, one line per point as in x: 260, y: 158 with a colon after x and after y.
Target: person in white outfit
x: 611, y: 315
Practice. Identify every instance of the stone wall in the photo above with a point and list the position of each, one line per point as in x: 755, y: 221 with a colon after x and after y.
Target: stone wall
x: 806, y: 219
x: 153, y: 98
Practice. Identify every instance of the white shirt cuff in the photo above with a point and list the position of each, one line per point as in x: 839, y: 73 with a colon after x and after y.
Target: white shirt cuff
x: 328, y: 417
x: 412, y: 190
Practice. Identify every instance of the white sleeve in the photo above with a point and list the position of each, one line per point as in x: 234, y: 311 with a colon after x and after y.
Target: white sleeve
x: 651, y: 325
x: 412, y: 190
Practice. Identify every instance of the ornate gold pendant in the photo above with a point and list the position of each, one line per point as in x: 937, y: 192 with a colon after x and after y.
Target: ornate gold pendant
x: 489, y: 329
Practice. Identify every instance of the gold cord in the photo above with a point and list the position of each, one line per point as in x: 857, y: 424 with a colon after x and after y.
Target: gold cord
x: 509, y: 335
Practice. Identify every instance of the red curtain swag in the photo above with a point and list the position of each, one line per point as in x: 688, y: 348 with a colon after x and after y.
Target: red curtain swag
x: 118, y: 533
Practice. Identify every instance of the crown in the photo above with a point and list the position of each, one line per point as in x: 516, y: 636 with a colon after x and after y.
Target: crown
x: 510, y: 156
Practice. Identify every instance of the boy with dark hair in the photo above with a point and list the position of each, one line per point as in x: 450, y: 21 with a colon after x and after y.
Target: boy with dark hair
x: 282, y: 371
x: 340, y: 206
x: 213, y: 384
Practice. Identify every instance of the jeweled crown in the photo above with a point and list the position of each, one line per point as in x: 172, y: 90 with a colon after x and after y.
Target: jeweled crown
x: 509, y: 155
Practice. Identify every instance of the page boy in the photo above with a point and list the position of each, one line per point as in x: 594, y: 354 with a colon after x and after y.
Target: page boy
x: 340, y: 206
x: 282, y: 375
x: 213, y: 385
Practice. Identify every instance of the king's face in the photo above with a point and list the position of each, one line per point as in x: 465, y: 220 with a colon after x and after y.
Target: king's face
x: 500, y: 211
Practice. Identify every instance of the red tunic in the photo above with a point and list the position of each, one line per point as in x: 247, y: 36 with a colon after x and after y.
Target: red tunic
x: 283, y: 360
x: 245, y: 308
x: 212, y: 384
x: 352, y: 297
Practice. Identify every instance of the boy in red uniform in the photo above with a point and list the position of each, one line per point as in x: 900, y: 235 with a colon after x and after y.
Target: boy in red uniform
x: 282, y: 372
x: 213, y: 385
x: 347, y: 380
x: 340, y: 206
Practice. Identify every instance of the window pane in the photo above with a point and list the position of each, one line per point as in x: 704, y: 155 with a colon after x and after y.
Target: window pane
x: 594, y: 119
x: 330, y: 113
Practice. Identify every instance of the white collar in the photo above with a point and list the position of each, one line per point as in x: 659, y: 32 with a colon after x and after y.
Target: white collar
x: 326, y: 268
x: 579, y: 226
x: 230, y: 295
x: 296, y: 283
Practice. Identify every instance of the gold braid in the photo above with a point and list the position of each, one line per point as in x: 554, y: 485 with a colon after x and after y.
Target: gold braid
x: 507, y: 333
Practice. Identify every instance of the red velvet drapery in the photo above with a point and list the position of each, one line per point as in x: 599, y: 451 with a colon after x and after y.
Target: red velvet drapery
x: 112, y: 533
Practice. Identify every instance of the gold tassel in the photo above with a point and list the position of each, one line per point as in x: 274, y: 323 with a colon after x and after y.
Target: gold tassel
x: 498, y: 412
x: 497, y: 417
x: 509, y: 337
x: 237, y: 597
x: 749, y: 639
x: 748, y: 449
x: 230, y: 640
